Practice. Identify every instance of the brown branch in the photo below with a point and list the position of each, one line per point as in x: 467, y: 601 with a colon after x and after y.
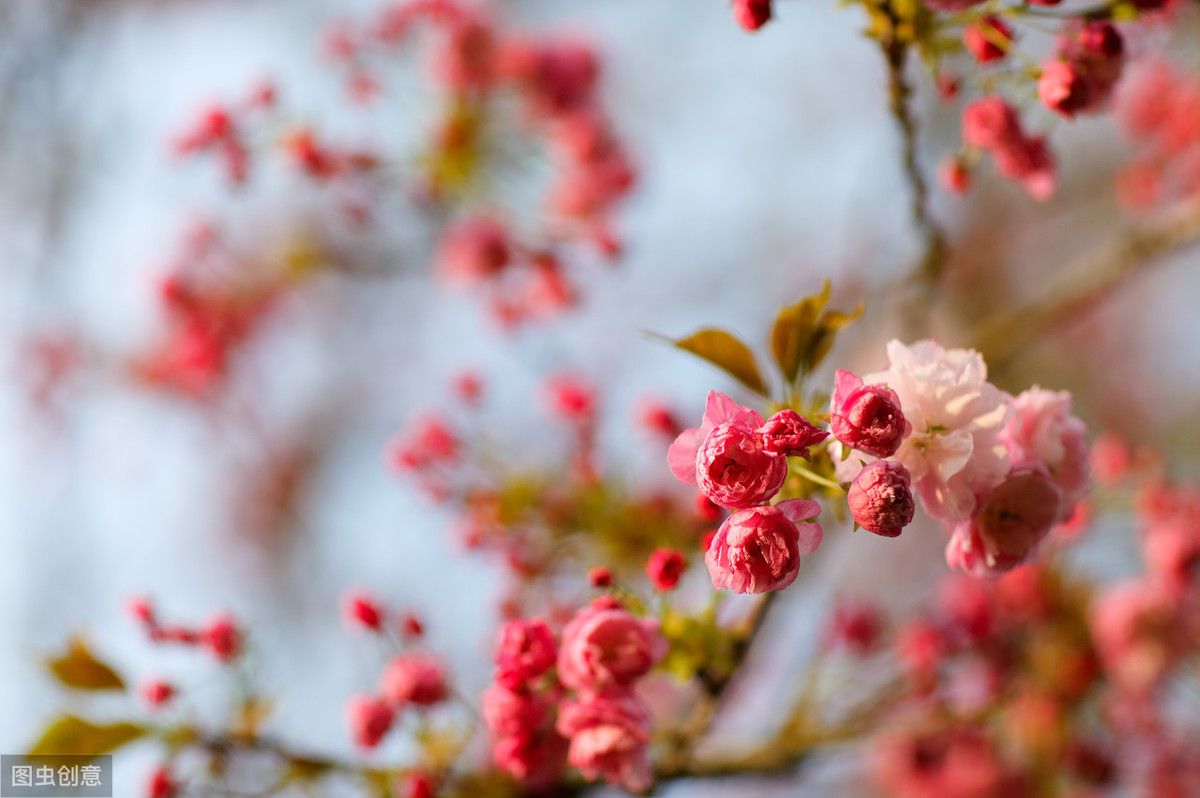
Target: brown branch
x: 931, y: 264
x: 1087, y: 282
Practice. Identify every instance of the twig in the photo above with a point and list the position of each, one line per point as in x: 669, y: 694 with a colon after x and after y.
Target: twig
x: 929, y: 267
x: 1087, y: 282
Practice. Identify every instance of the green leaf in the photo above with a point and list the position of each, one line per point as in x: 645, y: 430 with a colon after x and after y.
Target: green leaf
x: 725, y: 351
x: 804, y: 333
x: 79, y: 669
x: 77, y: 736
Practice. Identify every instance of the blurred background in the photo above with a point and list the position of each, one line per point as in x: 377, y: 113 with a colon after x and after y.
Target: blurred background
x: 765, y: 164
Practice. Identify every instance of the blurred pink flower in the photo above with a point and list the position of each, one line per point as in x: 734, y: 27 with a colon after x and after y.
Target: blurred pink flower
x: 524, y: 651
x: 609, y: 734
x: 418, y: 679
x: 1012, y: 521
x: 1042, y: 431
x: 605, y: 646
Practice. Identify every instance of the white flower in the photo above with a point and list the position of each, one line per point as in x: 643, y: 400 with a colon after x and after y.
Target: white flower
x: 954, y: 453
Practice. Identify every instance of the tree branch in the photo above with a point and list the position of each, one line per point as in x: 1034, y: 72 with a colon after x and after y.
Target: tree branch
x: 1087, y: 282
x: 929, y: 267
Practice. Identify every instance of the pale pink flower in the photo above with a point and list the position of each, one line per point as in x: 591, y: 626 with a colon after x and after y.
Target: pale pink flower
x: 609, y: 734
x: 758, y: 550
x: 866, y: 417
x: 1043, y: 432
x: 606, y: 646
x: 880, y: 499
x: 1012, y: 521
x: 725, y: 456
x: 417, y: 679
x: 953, y: 452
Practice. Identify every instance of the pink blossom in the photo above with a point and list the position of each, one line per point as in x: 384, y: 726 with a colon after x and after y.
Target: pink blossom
x: 734, y: 470
x: 525, y: 650
x: 473, y: 251
x: 223, y: 637
x: 1172, y: 554
x: 1064, y: 88
x: 157, y: 693
x: 508, y: 711
x: 1012, y: 521
x: 954, y: 176
x: 866, y: 417
x: 954, y: 762
x: 665, y: 567
x: 609, y: 734
x: 162, y: 784
x: 880, y: 499
x: 363, y: 611
x: 725, y: 456
x: 571, y: 398
x: 758, y: 550
x: 1042, y: 432
x: 992, y: 125
x: 856, y: 625
x: 718, y: 409
x: 1110, y: 459
x: 524, y: 742
x: 370, y: 718
x: 752, y: 14
x: 988, y: 39
x: 1132, y: 627
x: 1087, y: 67
x: 605, y: 646
x: 659, y: 419
x: 953, y: 453
x: 417, y: 679
x: 790, y: 434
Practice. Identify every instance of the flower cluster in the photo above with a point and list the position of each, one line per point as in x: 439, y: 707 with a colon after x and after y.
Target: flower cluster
x: 586, y: 710
x: 1159, y: 107
x: 221, y: 636
x: 526, y: 513
x: 412, y: 679
x: 739, y: 462
x: 1077, y: 77
x: 480, y: 70
x: 999, y: 471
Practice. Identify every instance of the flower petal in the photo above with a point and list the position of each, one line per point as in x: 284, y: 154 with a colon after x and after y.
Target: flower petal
x: 681, y: 457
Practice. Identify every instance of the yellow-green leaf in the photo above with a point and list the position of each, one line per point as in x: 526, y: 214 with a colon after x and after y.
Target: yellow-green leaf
x: 79, y: 669
x: 793, y: 330
x: 77, y: 736
x: 804, y: 333
x: 728, y: 353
